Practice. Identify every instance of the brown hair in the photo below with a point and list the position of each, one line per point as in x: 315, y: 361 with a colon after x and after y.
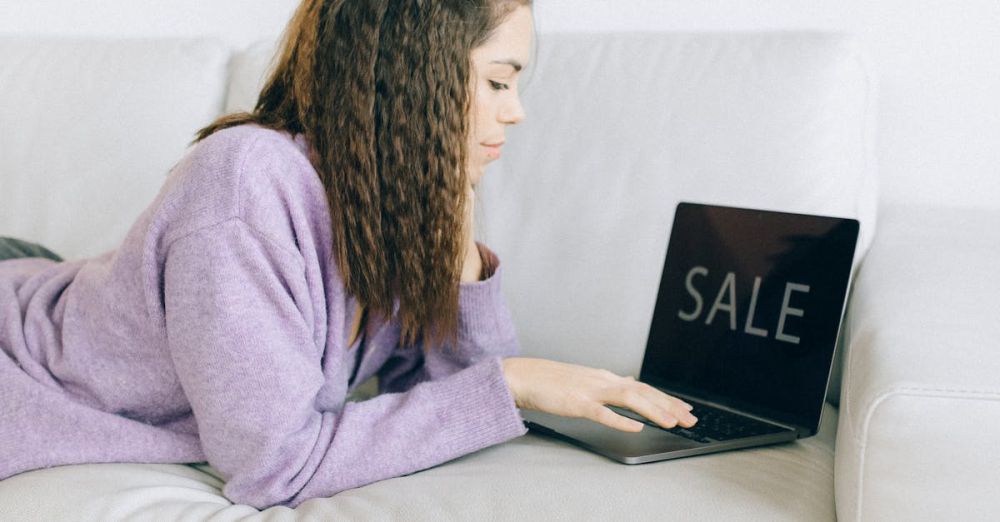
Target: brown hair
x: 381, y: 90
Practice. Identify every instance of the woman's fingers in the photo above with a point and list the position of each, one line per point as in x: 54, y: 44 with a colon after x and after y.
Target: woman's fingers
x: 578, y: 391
x: 611, y: 419
x: 685, y: 405
x: 663, y: 409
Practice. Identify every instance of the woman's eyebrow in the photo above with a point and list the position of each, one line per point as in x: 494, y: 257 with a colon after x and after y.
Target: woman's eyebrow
x: 513, y: 63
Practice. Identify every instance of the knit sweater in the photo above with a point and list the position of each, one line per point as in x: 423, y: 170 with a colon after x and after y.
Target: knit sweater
x: 217, y: 332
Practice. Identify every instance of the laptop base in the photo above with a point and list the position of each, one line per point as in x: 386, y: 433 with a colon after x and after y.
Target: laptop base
x: 649, y: 445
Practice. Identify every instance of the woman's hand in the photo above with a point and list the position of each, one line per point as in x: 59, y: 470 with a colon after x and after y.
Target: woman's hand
x: 571, y: 390
x: 472, y: 268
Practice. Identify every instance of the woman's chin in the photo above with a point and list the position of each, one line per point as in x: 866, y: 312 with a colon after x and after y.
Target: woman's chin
x: 476, y: 175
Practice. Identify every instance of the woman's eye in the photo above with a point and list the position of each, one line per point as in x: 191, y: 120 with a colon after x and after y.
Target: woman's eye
x: 497, y: 86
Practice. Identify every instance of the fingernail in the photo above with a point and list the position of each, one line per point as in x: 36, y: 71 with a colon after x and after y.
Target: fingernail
x: 688, y: 406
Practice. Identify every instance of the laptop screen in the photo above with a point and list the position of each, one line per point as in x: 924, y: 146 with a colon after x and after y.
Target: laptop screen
x: 749, y: 309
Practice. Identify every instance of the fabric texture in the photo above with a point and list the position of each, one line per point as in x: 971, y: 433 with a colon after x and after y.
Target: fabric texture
x: 216, y: 332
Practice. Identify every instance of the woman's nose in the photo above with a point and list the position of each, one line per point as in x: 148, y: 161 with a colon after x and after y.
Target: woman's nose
x: 512, y: 112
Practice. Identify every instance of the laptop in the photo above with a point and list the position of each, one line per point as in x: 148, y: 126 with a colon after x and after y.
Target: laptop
x: 744, y: 329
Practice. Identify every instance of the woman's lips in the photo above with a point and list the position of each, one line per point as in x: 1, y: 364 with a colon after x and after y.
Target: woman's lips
x: 493, y: 150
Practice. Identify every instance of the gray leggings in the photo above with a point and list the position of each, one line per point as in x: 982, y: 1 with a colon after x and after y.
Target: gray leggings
x: 11, y: 248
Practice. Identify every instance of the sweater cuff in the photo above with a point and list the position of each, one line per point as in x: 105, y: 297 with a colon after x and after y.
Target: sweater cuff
x: 477, y: 408
x: 483, y: 315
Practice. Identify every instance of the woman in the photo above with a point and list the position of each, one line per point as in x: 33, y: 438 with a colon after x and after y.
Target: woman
x: 293, y: 253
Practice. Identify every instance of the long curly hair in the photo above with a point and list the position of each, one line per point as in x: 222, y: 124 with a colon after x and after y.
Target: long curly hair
x: 381, y: 89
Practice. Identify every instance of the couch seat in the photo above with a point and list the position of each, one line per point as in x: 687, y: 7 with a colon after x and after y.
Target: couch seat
x: 531, y: 477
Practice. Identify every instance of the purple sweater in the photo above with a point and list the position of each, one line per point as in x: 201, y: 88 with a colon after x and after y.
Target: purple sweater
x: 217, y: 332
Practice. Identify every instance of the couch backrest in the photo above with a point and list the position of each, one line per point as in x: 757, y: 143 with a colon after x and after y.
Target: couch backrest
x: 620, y: 127
x: 89, y: 129
x: 623, y: 126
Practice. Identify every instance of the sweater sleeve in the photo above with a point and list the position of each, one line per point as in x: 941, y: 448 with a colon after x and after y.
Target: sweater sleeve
x: 243, y: 349
x: 485, y: 330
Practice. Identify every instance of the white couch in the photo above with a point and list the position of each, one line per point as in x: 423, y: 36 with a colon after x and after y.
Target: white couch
x: 620, y: 127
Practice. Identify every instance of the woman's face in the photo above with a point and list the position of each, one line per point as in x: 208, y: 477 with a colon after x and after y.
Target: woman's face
x: 496, y: 102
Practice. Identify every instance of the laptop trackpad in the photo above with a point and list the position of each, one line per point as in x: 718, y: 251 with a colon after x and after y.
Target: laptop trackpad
x: 600, y: 437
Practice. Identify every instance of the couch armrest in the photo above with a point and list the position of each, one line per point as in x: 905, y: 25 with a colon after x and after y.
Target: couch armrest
x: 920, y: 410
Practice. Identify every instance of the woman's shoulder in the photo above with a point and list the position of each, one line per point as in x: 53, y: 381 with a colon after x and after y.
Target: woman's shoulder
x: 224, y: 157
x: 240, y: 172
x: 242, y: 145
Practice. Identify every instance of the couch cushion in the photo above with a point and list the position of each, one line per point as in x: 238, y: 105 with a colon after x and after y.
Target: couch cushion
x: 921, y: 405
x: 90, y: 129
x: 620, y: 127
x: 529, y: 478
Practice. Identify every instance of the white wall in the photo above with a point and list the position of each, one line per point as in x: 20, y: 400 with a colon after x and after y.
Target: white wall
x: 937, y: 62
x: 237, y: 21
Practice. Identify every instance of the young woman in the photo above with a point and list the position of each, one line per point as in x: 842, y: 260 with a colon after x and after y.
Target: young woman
x: 293, y: 253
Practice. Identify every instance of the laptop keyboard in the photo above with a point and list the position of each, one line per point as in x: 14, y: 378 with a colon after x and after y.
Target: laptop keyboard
x: 713, y: 424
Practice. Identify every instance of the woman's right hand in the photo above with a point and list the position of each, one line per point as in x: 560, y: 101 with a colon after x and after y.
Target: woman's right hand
x: 571, y: 390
